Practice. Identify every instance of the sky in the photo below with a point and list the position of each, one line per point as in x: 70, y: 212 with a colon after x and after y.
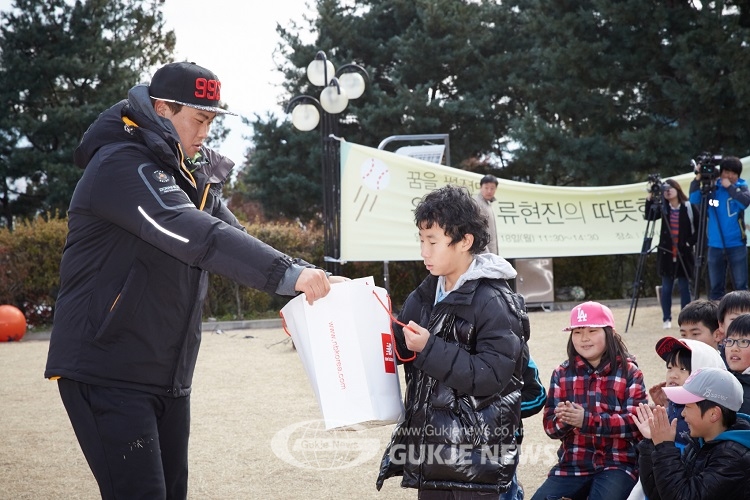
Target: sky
x: 235, y: 40
x: 237, y: 44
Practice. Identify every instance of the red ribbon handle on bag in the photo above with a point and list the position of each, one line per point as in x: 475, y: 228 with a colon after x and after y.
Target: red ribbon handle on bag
x: 283, y: 324
x: 388, y: 310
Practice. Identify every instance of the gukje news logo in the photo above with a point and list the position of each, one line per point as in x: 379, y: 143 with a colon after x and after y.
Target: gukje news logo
x: 308, y: 445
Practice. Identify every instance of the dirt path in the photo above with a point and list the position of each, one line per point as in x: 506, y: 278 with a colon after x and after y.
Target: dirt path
x: 251, y: 404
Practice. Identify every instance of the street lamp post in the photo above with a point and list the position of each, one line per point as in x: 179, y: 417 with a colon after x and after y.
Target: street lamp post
x: 307, y: 112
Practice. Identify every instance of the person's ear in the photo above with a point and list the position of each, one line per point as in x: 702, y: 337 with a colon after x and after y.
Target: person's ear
x: 467, y: 242
x: 161, y: 108
x: 718, y: 335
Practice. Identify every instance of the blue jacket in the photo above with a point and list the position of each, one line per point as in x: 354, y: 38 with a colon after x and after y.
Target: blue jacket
x: 726, y: 213
x: 674, y: 411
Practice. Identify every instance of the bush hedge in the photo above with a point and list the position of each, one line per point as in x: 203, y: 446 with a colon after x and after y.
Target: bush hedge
x: 30, y: 267
x: 30, y: 258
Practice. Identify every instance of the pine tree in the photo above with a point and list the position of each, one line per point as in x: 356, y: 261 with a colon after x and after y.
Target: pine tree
x: 61, y: 64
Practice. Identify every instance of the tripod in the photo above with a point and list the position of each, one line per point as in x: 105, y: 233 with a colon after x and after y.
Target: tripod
x: 656, y: 211
x: 648, y: 238
x: 701, y: 244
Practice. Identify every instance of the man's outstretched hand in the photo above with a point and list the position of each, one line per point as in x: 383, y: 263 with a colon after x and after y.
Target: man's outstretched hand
x: 315, y: 284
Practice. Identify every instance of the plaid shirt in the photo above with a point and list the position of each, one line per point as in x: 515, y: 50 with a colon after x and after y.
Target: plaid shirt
x: 609, y: 434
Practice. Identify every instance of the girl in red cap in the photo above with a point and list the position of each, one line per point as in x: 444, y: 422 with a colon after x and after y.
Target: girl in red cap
x: 592, y: 398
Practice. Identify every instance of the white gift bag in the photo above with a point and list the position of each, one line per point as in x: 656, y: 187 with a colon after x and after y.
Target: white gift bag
x: 345, y: 343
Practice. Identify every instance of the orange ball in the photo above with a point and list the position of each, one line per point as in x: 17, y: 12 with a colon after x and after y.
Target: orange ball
x: 12, y: 323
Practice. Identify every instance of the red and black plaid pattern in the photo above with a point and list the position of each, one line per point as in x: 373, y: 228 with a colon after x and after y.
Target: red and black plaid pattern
x: 609, y: 434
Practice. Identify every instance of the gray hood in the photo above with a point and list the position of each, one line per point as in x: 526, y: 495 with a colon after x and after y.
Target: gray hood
x: 486, y: 265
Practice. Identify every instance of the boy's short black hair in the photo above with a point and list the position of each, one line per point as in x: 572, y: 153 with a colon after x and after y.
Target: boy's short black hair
x: 737, y: 301
x: 488, y: 178
x: 453, y: 209
x: 700, y: 311
x: 728, y: 417
x: 740, y: 327
x: 731, y: 164
x: 682, y: 358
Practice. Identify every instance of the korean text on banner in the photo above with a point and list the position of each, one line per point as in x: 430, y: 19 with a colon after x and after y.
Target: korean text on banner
x: 346, y: 347
x: 379, y: 191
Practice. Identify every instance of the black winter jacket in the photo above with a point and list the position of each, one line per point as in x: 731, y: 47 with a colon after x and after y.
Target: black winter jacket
x: 144, y: 227
x: 717, y: 469
x: 744, y: 379
x: 463, y: 391
x: 687, y: 234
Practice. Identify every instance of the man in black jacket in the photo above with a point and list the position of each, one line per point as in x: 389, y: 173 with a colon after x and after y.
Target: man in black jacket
x: 146, y: 225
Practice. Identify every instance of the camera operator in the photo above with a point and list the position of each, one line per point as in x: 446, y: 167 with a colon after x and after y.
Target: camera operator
x: 727, y: 201
x: 679, y: 230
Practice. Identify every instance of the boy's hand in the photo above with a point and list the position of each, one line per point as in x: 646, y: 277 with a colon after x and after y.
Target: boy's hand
x: 657, y: 394
x: 661, y: 428
x: 642, y: 415
x: 416, y: 337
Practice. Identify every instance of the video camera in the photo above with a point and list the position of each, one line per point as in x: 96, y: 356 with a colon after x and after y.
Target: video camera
x: 707, y: 165
x: 656, y: 185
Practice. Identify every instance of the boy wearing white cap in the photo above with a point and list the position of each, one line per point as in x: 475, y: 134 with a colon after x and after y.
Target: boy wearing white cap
x: 682, y: 357
x: 715, y: 463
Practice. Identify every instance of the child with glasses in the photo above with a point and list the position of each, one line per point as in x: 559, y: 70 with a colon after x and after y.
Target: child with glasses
x: 682, y: 357
x: 737, y: 353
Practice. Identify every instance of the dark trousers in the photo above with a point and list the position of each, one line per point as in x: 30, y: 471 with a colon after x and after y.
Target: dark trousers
x: 718, y: 260
x: 609, y: 484
x: 455, y: 495
x: 135, y: 443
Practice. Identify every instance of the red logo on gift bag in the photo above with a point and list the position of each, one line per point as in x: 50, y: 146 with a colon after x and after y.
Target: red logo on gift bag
x: 390, y: 363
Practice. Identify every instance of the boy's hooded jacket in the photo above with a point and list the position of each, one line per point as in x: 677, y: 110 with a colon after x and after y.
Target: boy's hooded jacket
x: 714, y: 469
x: 144, y: 227
x: 463, y: 391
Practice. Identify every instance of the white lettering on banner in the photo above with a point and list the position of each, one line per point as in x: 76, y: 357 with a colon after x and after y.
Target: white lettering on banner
x: 337, y: 355
x: 533, y: 221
